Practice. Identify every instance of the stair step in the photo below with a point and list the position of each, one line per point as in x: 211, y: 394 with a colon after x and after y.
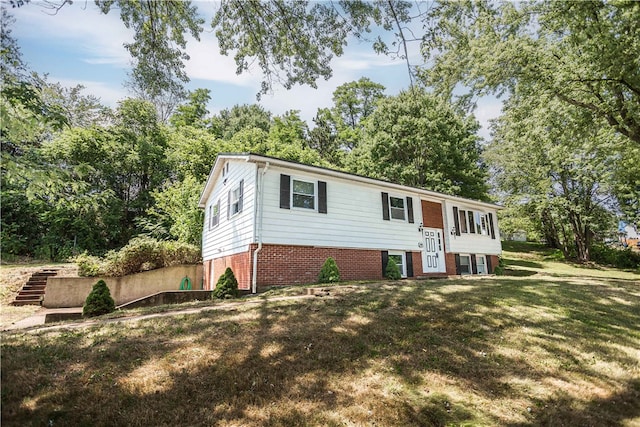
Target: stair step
x: 37, y: 282
x: 31, y: 292
x: 27, y: 297
x: 26, y: 302
x: 33, y: 288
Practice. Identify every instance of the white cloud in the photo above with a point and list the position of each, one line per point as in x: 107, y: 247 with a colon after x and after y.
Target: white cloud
x: 82, y: 26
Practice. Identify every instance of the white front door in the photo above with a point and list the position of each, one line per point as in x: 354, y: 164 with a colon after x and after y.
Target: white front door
x: 433, y: 252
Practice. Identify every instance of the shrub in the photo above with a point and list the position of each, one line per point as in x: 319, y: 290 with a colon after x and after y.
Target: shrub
x: 89, y: 266
x: 619, y: 258
x: 329, y: 273
x: 140, y: 254
x: 392, y: 272
x: 227, y: 286
x: 98, y: 301
x: 499, y: 269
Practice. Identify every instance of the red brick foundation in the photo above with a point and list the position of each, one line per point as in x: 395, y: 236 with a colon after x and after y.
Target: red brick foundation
x: 287, y: 265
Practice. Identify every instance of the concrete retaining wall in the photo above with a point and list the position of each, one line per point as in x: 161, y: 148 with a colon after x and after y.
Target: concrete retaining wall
x: 72, y: 291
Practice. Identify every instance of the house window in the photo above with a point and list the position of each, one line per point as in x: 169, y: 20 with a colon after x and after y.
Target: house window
x: 396, y: 206
x: 235, y: 200
x: 463, y: 221
x: 465, y: 264
x: 481, y: 264
x: 214, y: 215
x: 398, y: 259
x: 303, y: 194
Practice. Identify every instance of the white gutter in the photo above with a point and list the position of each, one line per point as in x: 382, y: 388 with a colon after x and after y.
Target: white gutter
x: 259, y: 199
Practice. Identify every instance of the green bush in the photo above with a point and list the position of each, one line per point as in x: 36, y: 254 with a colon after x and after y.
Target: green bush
x: 329, y: 273
x: 89, y: 266
x: 140, y: 254
x: 619, y: 258
x: 392, y: 272
x: 499, y: 269
x: 227, y: 286
x: 98, y: 301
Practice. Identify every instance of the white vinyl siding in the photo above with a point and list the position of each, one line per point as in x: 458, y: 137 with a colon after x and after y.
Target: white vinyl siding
x: 353, y: 218
x: 234, y: 232
x: 477, y: 239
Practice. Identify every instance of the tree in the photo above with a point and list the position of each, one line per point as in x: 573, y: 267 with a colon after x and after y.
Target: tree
x: 559, y: 162
x: 194, y: 112
x: 323, y: 138
x: 355, y: 101
x: 418, y: 139
x: 158, y: 49
x: 577, y: 52
x: 230, y: 121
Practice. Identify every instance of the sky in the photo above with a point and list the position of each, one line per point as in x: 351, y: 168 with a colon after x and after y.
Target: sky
x: 79, y: 45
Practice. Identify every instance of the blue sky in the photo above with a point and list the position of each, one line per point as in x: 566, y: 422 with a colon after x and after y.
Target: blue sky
x: 79, y: 45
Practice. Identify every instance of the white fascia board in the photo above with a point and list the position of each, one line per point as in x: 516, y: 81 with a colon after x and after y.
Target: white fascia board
x: 433, y: 195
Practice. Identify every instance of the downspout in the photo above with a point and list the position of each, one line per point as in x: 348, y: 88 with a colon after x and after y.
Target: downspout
x: 260, y: 198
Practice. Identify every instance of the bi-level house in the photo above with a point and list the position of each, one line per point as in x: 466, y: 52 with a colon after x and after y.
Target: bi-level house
x: 275, y: 222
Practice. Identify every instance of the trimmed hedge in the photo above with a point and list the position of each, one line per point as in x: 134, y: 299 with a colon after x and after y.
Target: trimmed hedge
x: 140, y: 254
x: 329, y: 273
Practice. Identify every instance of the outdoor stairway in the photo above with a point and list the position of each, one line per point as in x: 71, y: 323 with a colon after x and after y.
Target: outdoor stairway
x: 33, y: 291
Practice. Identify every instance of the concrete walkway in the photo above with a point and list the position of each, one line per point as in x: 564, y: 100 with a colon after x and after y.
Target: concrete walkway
x: 36, y: 323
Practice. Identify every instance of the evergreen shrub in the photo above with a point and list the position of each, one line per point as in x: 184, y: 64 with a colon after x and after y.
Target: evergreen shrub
x: 98, y: 301
x: 227, y: 286
x: 499, y: 269
x: 329, y: 273
x: 392, y: 272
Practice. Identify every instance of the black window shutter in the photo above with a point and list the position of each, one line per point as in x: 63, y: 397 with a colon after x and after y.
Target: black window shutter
x: 322, y: 197
x: 458, y: 270
x: 456, y: 220
x: 488, y: 258
x: 385, y: 260
x: 474, y: 267
x: 409, y: 261
x: 285, y: 191
x: 410, y: 209
x: 385, y: 206
x: 493, y: 231
x: 228, y: 204
x: 472, y: 222
x: 241, y: 196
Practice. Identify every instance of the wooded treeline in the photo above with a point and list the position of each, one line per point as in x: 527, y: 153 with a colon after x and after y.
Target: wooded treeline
x: 564, y: 157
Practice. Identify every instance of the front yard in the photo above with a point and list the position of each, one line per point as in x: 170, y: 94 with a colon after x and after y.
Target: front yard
x: 541, y: 347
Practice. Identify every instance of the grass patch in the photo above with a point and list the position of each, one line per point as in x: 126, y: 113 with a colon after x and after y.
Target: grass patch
x: 550, y: 350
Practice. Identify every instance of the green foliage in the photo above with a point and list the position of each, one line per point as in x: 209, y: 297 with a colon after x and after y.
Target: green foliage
x: 618, y: 258
x: 140, y: 254
x: 391, y: 271
x: 329, y: 273
x: 227, y: 286
x: 194, y: 112
x: 499, y: 269
x: 420, y: 140
x: 98, y: 301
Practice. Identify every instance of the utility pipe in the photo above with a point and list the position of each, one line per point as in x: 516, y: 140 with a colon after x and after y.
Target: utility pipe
x: 260, y: 198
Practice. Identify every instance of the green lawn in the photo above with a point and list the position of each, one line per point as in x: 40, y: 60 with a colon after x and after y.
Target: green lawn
x: 553, y: 344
